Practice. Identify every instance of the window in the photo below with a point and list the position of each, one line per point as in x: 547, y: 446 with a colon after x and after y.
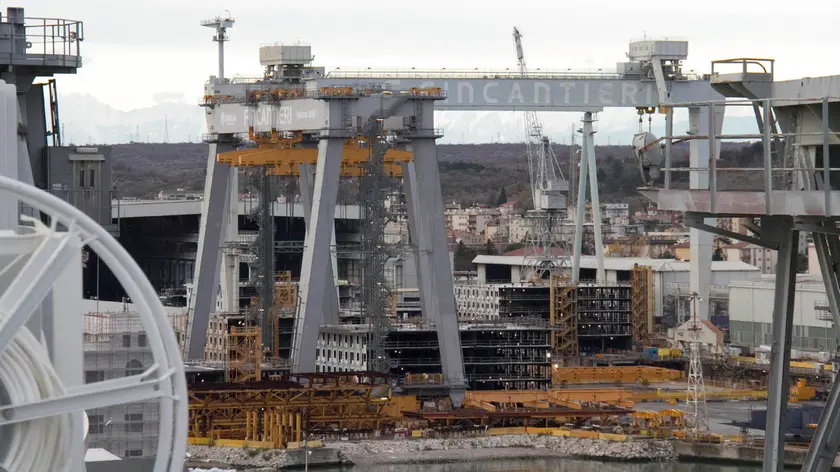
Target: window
x: 96, y: 424
x: 134, y: 424
x: 133, y: 453
x: 141, y: 339
x: 126, y: 340
x: 81, y: 178
x: 92, y: 178
x: 134, y: 367
x: 94, y: 376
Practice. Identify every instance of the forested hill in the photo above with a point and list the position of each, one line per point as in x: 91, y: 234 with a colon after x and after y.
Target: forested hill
x: 469, y: 173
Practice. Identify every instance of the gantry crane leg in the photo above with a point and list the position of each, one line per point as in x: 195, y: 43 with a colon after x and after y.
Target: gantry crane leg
x: 307, y: 185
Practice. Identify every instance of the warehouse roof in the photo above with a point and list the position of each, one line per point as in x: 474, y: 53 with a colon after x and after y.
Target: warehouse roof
x: 806, y: 282
x: 626, y: 263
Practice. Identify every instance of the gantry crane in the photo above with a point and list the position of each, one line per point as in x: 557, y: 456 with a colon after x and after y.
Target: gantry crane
x: 548, y: 191
x: 367, y: 156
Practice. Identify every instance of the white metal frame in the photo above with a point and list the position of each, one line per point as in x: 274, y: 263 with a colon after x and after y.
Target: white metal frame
x: 164, y: 381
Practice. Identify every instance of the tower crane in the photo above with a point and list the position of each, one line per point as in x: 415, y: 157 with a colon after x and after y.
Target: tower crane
x: 548, y: 191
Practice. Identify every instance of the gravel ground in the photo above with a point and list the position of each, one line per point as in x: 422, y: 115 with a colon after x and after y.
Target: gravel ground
x: 417, y: 451
x: 498, y: 447
x: 220, y: 457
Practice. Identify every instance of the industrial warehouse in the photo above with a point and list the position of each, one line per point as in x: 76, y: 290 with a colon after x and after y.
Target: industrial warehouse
x: 310, y: 303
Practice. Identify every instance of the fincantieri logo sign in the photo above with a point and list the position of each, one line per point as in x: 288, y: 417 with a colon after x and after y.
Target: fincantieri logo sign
x: 499, y: 93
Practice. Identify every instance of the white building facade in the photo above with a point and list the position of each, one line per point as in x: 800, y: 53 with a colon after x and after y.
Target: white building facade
x: 751, y: 314
x: 477, y: 301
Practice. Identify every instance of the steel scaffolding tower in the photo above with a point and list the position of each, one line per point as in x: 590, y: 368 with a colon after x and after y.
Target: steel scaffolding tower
x: 564, y: 317
x: 696, y: 414
x: 373, y: 191
x: 642, y: 304
x: 263, y: 214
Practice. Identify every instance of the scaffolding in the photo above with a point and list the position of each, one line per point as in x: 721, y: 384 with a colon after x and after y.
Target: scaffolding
x: 115, y: 346
x: 285, y: 302
x: 244, y: 348
x: 564, y: 317
x: 642, y: 305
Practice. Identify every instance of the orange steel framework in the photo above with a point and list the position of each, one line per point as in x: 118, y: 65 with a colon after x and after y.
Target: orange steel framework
x: 284, y: 161
x: 244, y: 363
x: 285, y: 304
x: 278, y: 153
x: 642, y: 304
x: 281, y: 412
x: 563, y: 317
x: 614, y: 375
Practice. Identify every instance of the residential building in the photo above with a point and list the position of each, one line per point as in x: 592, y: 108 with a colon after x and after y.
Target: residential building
x: 753, y: 254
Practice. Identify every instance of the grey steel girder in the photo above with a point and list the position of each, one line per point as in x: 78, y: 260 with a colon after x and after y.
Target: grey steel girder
x: 211, y: 234
x: 307, y: 187
x: 778, y: 386
x: 824, y: 445
x: 419, y: 235
x: 316, y: 255
x: 429, y: 206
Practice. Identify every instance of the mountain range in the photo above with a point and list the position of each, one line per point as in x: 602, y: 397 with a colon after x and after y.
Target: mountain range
x: 171, y: 118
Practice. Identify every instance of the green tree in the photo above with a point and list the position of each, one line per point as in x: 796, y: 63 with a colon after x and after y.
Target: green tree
x: 463, y: 257
x: 718, y: 254
x: 490, y: 248
x: 665, y: 255
x: 502, y: 198
x: 513, y: 247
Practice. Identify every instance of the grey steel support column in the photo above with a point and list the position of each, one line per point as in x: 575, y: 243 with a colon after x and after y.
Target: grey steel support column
x: 429, y: 200
x: 669, y: 131
x: 211, y: 233
x: 316, y: 251
x: 229, y: 271
x: 589, y: 142
x: 782, y: 228
x: 826, y: 440
x: 307, y: 186
x: 581, y: 208
x: 419, y: 235
x: 700, y: 275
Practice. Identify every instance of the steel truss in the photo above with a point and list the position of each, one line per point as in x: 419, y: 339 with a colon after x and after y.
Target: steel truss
x: 284, y: 411
x: 776, y: 217
x: 642, y: 304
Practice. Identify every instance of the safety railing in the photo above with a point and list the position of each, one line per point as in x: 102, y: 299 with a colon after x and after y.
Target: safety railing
x: 744, y: 64
x: 41, y: 41
x: 413, y: 73
x: 770, y: 140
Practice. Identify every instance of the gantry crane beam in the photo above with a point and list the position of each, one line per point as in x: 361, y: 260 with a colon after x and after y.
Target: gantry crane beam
x: 392, y: 169
x: 292, y: 156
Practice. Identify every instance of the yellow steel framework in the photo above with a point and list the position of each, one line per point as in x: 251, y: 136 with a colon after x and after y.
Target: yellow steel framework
x: 285, y: 304
x: 563, y: 317
x: 284, y: 412
x: 616, y: 375
x: 244, y: 354
x: 280, y: 155
x: 285, y: 292
x: 642, y: 304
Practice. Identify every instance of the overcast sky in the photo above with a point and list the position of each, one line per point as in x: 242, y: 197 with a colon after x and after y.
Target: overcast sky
x: 134, y: 50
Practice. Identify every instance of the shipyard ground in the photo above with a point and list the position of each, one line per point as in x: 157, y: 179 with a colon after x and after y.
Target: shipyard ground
x: 416, y: 451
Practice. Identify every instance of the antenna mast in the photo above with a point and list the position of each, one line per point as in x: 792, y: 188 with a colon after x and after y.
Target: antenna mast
x: 220, y: 24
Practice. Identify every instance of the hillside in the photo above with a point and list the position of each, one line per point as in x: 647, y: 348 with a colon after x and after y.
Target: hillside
x: 470, y: 173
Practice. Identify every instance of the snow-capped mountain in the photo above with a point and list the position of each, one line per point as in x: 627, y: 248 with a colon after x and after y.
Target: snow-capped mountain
x: 87, y: 120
